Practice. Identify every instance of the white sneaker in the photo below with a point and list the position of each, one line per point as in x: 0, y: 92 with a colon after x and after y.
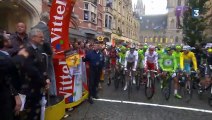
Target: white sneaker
x: 134, y: 81
x: 125, y: 87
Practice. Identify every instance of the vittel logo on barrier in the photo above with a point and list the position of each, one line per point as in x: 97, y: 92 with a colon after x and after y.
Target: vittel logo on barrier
x: 58, y: 20
x: 66, y: 82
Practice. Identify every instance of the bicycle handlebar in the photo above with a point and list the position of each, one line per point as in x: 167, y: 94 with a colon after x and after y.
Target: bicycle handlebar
x: 152, y: 71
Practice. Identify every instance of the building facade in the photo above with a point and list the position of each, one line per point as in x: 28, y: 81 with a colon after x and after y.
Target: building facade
x: 208, y: 31
x: 139, y: 8
x: 173, y: 30
x: 86, y: 20
x: 14, y: 11
x: 125, y: 26
x: 162, y: 29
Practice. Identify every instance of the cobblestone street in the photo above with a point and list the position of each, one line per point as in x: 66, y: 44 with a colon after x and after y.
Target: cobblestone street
x: 106, y: 108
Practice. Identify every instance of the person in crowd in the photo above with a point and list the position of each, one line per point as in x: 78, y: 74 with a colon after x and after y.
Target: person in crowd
x: 96, y: 60
x: 10, y: 101
x: 18, y: 39
x: 34, y: 75
x: 151, y: 59
x: 46, y: 48
x: 113, y: 56
x: 131, y: 61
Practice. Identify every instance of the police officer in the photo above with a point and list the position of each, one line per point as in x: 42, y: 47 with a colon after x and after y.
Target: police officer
x: 96, y: 60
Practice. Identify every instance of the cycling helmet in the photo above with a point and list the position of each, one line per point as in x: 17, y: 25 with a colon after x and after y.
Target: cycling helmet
x: 123, y: 49
x: 178, y: 47
x: 168, y: 48
x: 209, y: 50
x: 145, y: 47
x: 186, y: 47
x: 132, y: 46
x: 159, y: 46
x: 151, y: 48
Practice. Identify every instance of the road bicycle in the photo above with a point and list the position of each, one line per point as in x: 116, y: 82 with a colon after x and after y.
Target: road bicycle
x: 150, y: 83
x: 207, y: 86
x: 138, y: 77
x: 186, y: 85
x: 119, y: 77
x: 129, y: 78
x: 166, y: 85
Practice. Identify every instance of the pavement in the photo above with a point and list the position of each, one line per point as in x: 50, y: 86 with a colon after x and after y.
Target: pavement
x: 115, y: 105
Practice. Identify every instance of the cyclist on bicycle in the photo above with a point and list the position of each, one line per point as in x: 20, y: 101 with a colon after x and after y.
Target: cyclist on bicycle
x: 131, y: 60
x: 122, y: 54
x: 168, y: 63
x: 144, y: 49
x: 208, y: 71
x: 113, y: 56
x: 177, y: 53
x: 151, y: 59
x: 185, y: 61
x: 160, y: 50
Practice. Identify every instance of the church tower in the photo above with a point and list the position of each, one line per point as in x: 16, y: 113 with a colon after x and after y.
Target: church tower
x: 140, y: 8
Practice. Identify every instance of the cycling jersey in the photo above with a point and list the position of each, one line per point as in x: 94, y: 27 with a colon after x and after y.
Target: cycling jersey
x: 160, y: 53
x: 113, y: 57
x: 151, y: 59
x: 121, y: 57
x: 185, y: 61
x: 168, y: 63
x: 131, y: 58
x: 177, y: 56
x: 140, y: 58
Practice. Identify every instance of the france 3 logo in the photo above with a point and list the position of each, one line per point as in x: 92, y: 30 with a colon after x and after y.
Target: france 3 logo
x: 195, y: 12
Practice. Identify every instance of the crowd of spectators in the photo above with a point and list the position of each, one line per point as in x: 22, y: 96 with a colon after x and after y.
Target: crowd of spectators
x: 24, y: 72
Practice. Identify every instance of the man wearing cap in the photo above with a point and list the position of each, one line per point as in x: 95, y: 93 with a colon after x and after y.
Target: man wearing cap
x: 96, y: 60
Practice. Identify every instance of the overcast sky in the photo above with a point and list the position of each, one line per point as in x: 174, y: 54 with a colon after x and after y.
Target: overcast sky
x: 154, y: 6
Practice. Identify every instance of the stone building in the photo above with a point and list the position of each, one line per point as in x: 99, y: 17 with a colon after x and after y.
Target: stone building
x: 125, y: 26
x: 14, y: 11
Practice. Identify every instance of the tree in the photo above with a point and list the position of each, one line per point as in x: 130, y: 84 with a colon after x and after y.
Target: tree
x: 193, y: 27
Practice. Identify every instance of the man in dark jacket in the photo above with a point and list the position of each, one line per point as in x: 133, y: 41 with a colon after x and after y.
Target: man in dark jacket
x: 10, y: 101
x: 18, y: 39
x: 46, y: 48
x: 35, y: 77
x: 96, y: 62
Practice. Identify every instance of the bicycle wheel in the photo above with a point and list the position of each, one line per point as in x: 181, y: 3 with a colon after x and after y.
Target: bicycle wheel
x: 122, y: 80
x: 188, y: 91
x: 166, y: 90
x: 116, y: 80
x: 129, y: 89
x: 149, y: 88
x: 138, y: 77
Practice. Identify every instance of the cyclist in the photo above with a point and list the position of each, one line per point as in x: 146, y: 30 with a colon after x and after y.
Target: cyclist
x: 151, y: 59
x: 144, y: 49
x: 208, y: 71
x: 177, y: 54
x: 185, y: 60
x: 131, y: 60
x: 140, y: 58
x: 113, y: 56
x: 160, y: 50
x: 168, y: 63
x: 122, y: 54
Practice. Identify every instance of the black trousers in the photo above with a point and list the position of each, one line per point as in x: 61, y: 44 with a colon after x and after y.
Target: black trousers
x: 94, y: 81
x: 6, y: 105
x: 32, y: 108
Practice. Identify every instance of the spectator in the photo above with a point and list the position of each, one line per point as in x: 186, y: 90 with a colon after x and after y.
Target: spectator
x: 18, y: 39
x: 35, y: 76
x: 10, y: 101
x: 95, y: 58
x: 46, y: 48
